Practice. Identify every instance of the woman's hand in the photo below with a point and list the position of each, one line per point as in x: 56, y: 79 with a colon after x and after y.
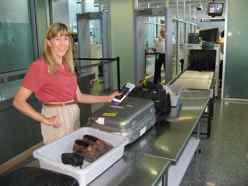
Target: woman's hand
x: 111, y: 96
x: 89, y: 99
x: 20, y: 103
x: 51, y: 121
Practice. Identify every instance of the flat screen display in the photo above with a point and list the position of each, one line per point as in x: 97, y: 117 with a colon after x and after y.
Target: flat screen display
x: 215, y: 9
x: 210, y: 35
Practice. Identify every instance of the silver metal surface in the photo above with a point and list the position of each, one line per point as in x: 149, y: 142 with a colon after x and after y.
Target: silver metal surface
x: 194, y: 80
x: 167, y: 140
x: 197, y: 74
x: 204, y: 84
x: 146, y: 161
x: 134, y: 169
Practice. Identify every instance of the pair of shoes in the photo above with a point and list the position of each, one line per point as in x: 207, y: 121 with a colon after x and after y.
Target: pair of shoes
x: 91, y: 147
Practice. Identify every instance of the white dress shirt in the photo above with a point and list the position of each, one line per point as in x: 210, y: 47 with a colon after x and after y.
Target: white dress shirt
x: 160, y: 45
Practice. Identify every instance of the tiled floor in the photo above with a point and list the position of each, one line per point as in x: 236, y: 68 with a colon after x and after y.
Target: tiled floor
x: 224, y: 157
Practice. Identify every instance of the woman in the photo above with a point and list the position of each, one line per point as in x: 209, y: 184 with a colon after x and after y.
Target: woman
x: 53, y: 80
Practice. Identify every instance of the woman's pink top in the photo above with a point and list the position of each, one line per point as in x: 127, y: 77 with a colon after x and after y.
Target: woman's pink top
x: 60, y: 86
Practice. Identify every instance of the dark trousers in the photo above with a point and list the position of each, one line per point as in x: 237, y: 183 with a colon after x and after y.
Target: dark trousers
x: 159, y: 61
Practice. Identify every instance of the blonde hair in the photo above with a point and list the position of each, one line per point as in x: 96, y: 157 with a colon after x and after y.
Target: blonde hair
x: 53, y: 31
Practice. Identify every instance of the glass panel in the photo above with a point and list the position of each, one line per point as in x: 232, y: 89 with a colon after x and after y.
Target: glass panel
x: 65, y: 11
x: 16, y: 43
x: 96, y: 45
x: 174, y: 54
x: 91, y: 6
x: 122, y: 34
x: 152, y: 31
x: 73, y: 7
x: 95, y: 36
x: 179, y: 42
x: 16, y: 53
x: 91, y: 45
x: 150, y: 35
x: 236, y: 51
x: 94, y: 5
x: 188, y: 11
x: 180, y: 9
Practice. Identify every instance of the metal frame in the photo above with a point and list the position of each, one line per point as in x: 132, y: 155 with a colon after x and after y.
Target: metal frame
x: 182, y: 19
x: 19, y: 73
x: 165, y: 179
x: 103, y: 61
x: 83, y: 40
x: 139, y: 14
x: 185, y: 23
x: 225, y: 50
x: 33, y: 18
x: 209, y: 114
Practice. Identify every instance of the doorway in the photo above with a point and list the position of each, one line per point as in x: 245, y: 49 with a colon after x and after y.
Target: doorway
x: 148, y: 23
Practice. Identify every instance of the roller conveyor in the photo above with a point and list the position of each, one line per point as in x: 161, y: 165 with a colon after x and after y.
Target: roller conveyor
x: 193, y: 80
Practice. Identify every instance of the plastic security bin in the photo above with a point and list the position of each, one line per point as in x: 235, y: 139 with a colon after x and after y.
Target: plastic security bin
x: 49, y: 156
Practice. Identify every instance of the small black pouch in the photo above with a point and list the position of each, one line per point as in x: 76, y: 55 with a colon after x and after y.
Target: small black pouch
x: 73, y: 159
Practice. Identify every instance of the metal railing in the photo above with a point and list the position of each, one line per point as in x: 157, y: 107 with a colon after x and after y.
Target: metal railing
x: 103, y: 61
x: 12, y: 75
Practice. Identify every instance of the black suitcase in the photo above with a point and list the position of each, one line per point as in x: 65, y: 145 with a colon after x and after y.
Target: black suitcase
x: 158, y: 95
x: 33, y: 176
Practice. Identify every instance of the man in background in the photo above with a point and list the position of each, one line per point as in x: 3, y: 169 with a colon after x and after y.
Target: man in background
x: 160, y: 56
x: 221, y: 42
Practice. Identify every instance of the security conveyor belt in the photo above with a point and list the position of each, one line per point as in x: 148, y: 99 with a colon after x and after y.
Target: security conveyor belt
x: 166, y: 149
x: 168, y: 140
x: 171, y: 143
x: 217, y: 62
x: 193, y: 80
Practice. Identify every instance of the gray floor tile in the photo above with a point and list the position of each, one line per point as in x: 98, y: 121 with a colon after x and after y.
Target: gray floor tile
x: 224, y: 158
